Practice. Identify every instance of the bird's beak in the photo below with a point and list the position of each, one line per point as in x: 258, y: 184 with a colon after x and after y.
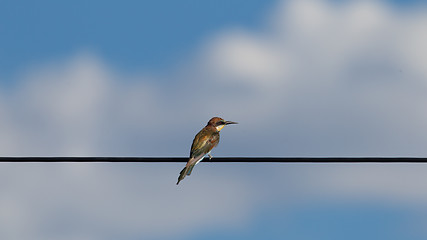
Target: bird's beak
x: 230, y: 122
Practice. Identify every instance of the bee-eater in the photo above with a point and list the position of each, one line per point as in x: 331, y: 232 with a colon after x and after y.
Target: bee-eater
x: 203, y: 143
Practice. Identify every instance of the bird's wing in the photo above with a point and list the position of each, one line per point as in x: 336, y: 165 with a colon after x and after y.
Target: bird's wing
x: 203, y: 144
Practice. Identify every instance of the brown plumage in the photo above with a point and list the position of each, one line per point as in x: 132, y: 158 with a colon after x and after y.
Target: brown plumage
x: 203, y: 143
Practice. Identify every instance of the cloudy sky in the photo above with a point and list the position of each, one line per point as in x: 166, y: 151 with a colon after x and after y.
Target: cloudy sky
x: 141, y: 78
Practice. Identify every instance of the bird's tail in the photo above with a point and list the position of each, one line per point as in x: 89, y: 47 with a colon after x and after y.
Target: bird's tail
x: 182, y: 174
x: 190, y: 168
x: 187, y: 170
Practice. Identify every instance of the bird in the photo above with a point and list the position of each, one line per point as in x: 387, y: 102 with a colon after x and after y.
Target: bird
x: 203, y: 143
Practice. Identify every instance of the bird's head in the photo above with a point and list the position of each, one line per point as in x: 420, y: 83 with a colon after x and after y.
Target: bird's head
x: 219, y: 123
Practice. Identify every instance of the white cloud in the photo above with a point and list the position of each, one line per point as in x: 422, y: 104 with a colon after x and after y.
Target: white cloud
x: 112, y: 200
x: 76, y: 107
x: 396, y: 183
x: 105, y: 201
x: 237, y: 56
x: 320, y: 79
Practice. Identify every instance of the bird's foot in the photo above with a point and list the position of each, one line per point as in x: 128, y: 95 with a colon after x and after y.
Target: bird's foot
x: 210, y: 156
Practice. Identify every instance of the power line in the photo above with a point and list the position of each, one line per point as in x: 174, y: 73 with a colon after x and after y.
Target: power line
x: 222, y: 159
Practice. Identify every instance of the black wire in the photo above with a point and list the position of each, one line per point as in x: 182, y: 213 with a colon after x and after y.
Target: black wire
x: 221, y: 159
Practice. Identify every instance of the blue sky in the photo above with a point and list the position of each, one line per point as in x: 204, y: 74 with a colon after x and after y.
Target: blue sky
x: 302, y: 78
x: 132, y: 35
